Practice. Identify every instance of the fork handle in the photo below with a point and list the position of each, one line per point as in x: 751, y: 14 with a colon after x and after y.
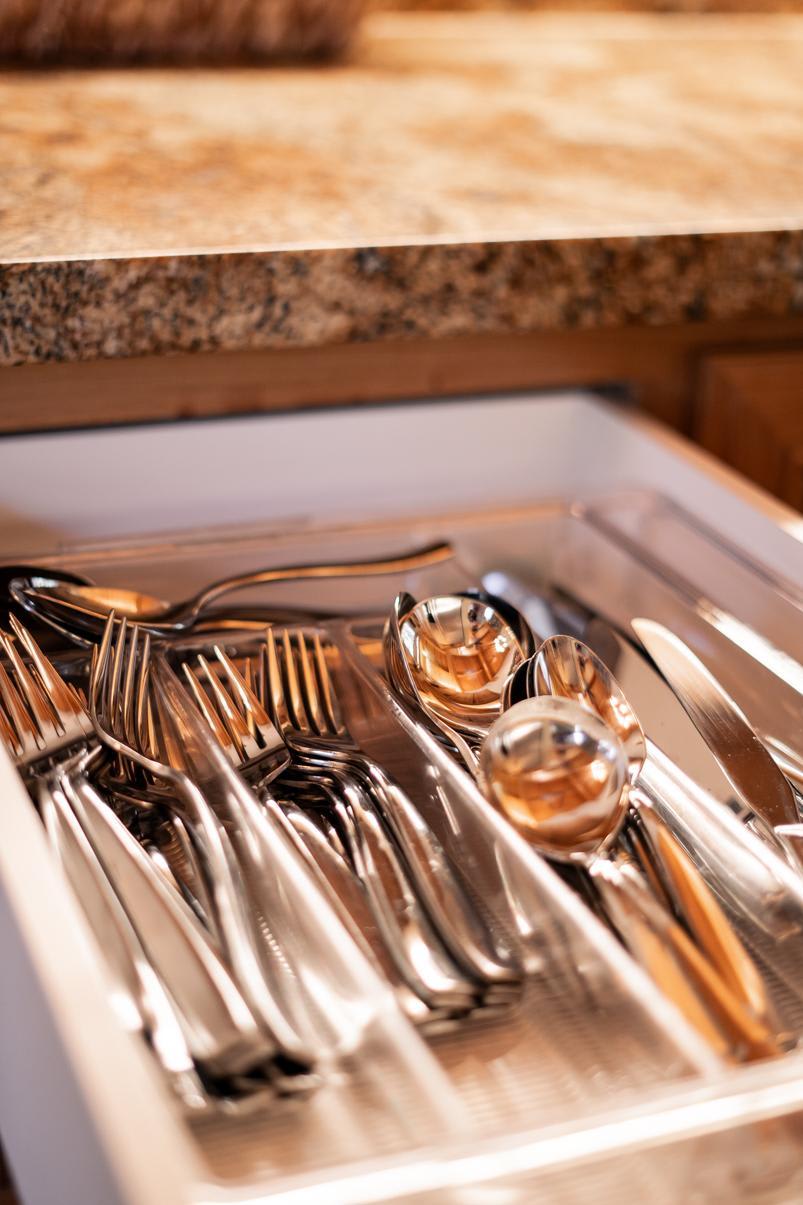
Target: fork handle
x: 221, y: 1032
x: 138, y: 994
x: 443, y: 896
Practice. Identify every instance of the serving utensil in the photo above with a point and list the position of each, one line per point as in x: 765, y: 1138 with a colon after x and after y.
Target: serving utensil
x: 80, y: 610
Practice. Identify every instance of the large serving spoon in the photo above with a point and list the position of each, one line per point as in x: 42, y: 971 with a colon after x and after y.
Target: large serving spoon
x: 568, y: 668
x: 78, y: 609
x: 450, y: 657
x: 558, y: 773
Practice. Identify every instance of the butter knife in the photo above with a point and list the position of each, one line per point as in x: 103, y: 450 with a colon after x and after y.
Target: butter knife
x: 743, y: 758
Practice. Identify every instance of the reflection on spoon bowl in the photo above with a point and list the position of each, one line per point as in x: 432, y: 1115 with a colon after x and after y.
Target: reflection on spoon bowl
x: 559, y: 774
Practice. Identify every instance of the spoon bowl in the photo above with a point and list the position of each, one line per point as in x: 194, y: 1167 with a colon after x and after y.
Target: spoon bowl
x: 569, y: 669
x: 558, y: 773
x: 450, y: 656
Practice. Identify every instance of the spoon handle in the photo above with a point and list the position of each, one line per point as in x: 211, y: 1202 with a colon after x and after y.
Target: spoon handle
x: 420, y: 558
x: 679, y: 969
x: 703, y: 915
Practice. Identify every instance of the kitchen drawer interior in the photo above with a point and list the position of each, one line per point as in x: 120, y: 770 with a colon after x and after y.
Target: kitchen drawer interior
x: 591, y: 1039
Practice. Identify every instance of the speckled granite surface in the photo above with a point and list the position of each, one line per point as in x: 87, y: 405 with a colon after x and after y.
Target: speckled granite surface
x: 462, y: 173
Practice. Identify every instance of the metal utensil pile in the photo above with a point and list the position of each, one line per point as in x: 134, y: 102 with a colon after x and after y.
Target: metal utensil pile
x: 259, y: 884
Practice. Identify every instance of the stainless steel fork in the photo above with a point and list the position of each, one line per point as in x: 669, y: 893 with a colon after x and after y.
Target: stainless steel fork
x: 135, y: 729
x: 405, y: 931
x: 185, y: 973
x: 297, y: 687
x: 414, y: 895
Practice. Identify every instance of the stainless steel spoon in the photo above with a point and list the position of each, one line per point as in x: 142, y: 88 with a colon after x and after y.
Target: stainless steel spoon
x: 568, y: 668
x: 558, y: 773
x: 450, y: 656
x: 80, y: 610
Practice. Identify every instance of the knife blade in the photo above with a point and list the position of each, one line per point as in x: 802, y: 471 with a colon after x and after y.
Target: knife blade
x: 726, y: 730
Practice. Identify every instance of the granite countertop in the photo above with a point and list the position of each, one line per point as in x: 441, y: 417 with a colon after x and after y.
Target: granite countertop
x: 462, y: 173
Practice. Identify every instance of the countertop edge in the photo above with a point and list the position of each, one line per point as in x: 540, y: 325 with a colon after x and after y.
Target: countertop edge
x: 86, y: 309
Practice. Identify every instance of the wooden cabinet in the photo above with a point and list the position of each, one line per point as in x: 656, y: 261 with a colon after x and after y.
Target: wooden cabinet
x: 749, y: 412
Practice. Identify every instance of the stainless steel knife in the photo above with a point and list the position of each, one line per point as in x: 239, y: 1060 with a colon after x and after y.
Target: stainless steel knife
x: 726, y: 730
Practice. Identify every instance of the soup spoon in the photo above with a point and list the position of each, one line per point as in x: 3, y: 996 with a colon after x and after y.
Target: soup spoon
x: 568, y: 668
x: 79, y: 609
x: 558, y: 772
x: 450, y: 656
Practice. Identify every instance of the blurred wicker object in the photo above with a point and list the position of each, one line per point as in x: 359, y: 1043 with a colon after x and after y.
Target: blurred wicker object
x: 57, y: 31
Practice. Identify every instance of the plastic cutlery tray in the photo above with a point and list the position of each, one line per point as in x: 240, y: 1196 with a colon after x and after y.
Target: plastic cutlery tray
x: 593, y: 1085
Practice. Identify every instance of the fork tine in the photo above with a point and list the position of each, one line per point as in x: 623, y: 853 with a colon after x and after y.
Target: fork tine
x: 140, y: 707
x: 18, y: 719
x: 273, y: 695
x: 114, y: 678
x: 232, y: 720
x: 97, y: 670
x: 208, y: 711
x: 254, y: 712
x: 308, y: 686
x: 45, y: 718
x: 64, y: 697
x: 9, y: 736
x: 292, y: 688
x: 56, y: 689
x: 328, y: 696
x: 129, y: 679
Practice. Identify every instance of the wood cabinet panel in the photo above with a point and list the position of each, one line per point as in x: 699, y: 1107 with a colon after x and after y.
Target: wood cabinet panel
x: 749, y: 412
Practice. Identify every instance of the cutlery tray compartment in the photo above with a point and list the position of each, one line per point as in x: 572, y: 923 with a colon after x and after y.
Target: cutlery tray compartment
x: 592, y: 1083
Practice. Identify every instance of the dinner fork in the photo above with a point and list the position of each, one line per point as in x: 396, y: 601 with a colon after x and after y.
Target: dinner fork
x: 124, y: 717
x: 299, y: 691
x: 405, y: 930
x: 304, y: 705
x: 218, y: 1028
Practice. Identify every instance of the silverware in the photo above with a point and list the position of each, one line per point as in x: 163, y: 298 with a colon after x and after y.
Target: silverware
x: 318, y: 716
x: 137, y: 994
x: 558, y: 772
x: 568, y: 668
x: 120, y: 707
x: 329, y: 992
x: 328, y: 772
x: 450, y: 656
x: 745, y: 761
x: 81, y: 611
x: 219, y: 1031
x: 41, y: 715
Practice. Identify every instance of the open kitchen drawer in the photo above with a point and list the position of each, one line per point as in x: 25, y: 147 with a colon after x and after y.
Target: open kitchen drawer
x: 597, y: 1088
